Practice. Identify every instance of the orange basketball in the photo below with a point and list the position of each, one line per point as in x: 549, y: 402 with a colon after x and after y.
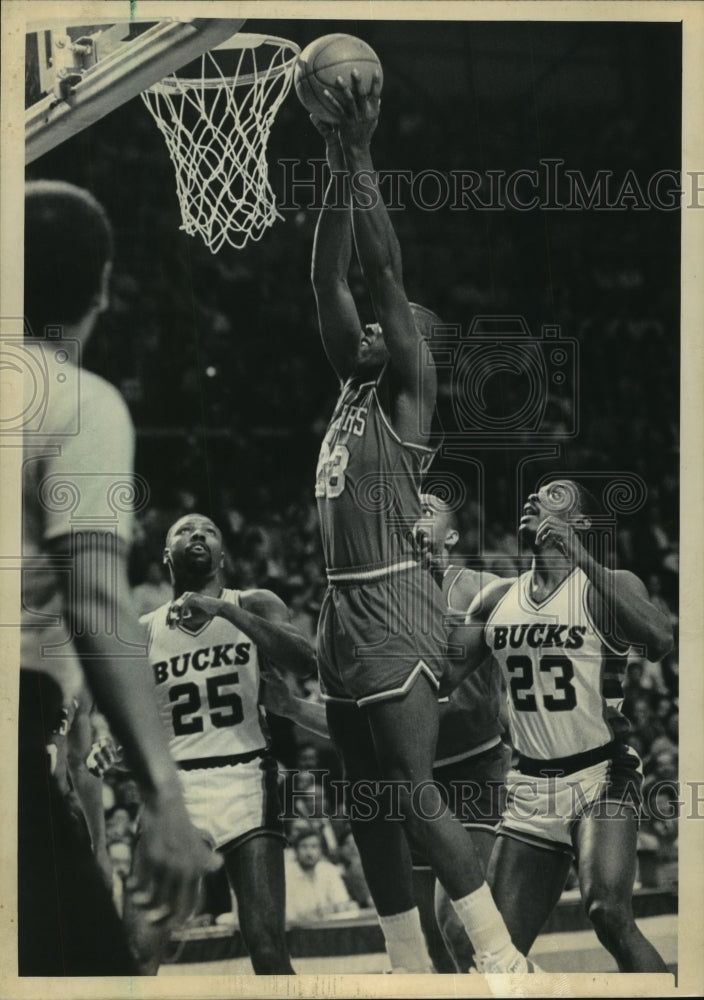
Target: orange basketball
x: 323, y: 61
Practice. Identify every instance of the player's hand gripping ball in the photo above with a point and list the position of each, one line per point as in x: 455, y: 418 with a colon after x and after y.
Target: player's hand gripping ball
x: 320, y: 64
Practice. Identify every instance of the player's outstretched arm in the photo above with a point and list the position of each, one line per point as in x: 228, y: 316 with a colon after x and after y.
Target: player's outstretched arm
x: 465, y: 588
x: 338, y: 319
x: 175, y: 857
x: 264, y: 618
x: 414, y: 378
x: 467, y: 644
x: 281, y: 700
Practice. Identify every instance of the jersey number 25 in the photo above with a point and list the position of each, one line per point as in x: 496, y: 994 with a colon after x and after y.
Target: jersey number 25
x: 224, y: 707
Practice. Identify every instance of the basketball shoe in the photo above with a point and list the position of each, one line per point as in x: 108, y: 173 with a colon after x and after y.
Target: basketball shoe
x: 513, y: 964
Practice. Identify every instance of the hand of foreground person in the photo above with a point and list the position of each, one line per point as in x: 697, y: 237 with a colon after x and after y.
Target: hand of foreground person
x: 170, y: 861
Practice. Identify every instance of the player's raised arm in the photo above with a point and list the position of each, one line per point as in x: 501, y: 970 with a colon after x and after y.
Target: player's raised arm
x: 413, y: 379
x: 338, y: 319
x: 620, y: 605
x: 618, y: 599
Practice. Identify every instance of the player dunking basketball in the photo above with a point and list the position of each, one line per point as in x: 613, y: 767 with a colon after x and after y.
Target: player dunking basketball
x: 380, y: 654
x: 206, y: 649
x: 561, y: 633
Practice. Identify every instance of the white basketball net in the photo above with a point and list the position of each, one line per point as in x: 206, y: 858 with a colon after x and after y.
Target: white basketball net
x: 217, y: 129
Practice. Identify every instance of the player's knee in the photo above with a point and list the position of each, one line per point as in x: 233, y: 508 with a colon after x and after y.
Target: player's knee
x: 424, y: 806
x: 611, y: 915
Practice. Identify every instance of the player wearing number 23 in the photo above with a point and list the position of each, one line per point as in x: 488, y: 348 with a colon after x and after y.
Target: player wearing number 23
x: 560, y: 634
x: 206, y: 649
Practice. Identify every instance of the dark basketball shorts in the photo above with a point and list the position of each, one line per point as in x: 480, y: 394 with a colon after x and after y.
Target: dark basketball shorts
x: 375, y: 638
x: 474, y: 790
x: 67, y: 921
x: 544, y: 810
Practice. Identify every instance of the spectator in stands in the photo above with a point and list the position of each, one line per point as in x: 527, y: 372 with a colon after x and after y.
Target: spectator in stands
x: 307, y: 796
x: 118, y: 825
x: 660, y: 768
x: 663, y: 824
x: 127, y: 794
x: 644, y: 722
x: 314, y: 886
x: 669, y: 741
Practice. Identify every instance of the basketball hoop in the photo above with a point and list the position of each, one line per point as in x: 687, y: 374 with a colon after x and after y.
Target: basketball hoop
x: 216, y: 126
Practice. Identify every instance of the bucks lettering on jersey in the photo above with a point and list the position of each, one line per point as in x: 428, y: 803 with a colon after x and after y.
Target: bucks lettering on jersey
x: 564, y: 679
x: 207, y: 685
x: 367, y: 484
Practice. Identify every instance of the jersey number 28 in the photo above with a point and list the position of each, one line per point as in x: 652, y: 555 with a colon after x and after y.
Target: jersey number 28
x: 330, y: 477
x: 225, y: 707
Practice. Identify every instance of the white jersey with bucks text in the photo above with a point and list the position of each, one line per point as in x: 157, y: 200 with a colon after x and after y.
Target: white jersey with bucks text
x: 207, y: 685
x: 564, y: 678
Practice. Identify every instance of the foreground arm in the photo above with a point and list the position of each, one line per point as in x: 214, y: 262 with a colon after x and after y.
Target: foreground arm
x: 175, y: 856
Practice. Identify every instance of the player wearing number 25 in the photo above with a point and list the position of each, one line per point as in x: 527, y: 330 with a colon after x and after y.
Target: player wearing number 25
x: 560, y: 634
x: 206, y: 649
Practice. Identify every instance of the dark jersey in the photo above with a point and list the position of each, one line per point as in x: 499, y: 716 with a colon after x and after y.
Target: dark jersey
x: 471, y: 718
x: 367, y: 484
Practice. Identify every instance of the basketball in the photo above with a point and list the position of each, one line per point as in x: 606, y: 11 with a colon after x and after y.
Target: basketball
x: 323, y: 61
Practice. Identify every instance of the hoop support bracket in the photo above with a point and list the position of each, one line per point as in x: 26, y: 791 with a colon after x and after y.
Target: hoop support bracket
x: 87, y: 93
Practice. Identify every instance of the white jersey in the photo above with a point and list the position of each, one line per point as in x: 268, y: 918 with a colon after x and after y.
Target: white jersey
x: 564, y: 678
x: 207, y: 686
x: 77, y: 471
